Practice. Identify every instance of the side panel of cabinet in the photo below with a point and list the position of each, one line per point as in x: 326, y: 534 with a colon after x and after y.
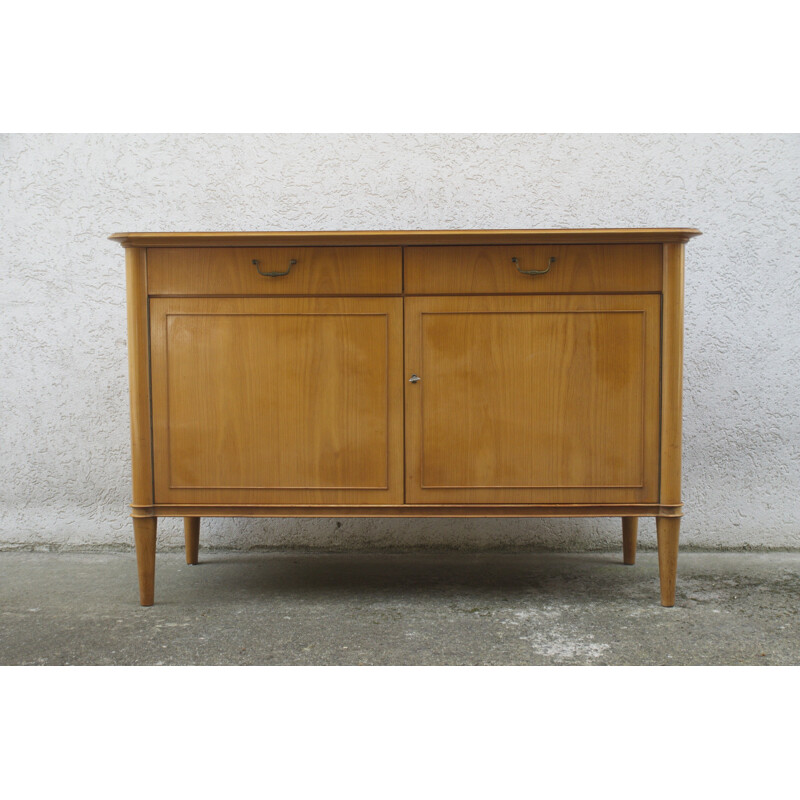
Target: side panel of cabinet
x: 277, y: 401
x: 543, y: 399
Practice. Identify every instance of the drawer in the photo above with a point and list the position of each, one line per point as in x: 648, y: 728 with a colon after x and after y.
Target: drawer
x: 499, y: 269
x: 274, y: 270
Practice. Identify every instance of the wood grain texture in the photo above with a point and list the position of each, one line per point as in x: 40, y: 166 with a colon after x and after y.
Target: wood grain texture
x: 139, y: 375
x: 630, y: 531
x: 489, y: 269
x: 672, y: 375
x: 317, y: 271
x: 191, y: 532
x: 144, y: 532
x: 549, y: 399
x: 667, y: 531
x: 338, y: 238
x: 555, y: 395
x: 277, y: 400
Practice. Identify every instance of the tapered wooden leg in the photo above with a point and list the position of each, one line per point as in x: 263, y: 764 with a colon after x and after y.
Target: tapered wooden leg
x: 144, y: 532
x: 630, y: 530
x: 191, y: 530
x: 668, y: 529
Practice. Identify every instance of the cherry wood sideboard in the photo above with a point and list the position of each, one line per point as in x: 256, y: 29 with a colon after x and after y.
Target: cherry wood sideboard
x: 497, y: 373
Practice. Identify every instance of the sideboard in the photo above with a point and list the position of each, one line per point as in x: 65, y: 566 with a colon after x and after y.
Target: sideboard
x: 496, y: 373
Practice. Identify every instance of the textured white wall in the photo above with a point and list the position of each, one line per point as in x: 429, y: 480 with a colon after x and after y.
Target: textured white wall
x: 64, y: 447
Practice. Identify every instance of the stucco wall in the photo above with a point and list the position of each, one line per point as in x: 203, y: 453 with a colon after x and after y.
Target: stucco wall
x: 64, y: 447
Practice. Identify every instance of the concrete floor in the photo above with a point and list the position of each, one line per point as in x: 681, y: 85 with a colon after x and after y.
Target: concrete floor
x: 399, y: 608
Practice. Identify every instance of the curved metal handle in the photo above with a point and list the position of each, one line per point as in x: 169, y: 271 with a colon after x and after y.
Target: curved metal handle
x: 551, y: 261
x: 414, y: 379
x: 257, y: 265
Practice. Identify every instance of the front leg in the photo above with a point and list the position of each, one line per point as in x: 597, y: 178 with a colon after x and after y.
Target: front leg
x: 667, y: 530
x: 144, y: 532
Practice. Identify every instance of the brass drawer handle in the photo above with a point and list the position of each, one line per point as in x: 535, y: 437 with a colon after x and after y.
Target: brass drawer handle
x: 257, y: 265
x: 550, y: 262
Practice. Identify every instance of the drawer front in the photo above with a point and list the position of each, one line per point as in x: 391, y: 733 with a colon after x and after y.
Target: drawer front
x: 274, y: 270
x: 476, y: 269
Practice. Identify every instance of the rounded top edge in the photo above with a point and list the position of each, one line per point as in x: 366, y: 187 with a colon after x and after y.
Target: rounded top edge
x: 410, y: 237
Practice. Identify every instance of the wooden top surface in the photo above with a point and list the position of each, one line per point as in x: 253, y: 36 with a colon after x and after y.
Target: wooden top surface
x: 353, y: 238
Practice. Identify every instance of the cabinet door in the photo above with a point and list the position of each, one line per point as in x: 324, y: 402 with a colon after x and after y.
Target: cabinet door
x: 538, y: 399
x: 277, y: 401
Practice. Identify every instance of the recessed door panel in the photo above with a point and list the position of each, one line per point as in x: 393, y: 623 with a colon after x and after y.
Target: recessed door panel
x: 532, y: 399
x: 277, y: 400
